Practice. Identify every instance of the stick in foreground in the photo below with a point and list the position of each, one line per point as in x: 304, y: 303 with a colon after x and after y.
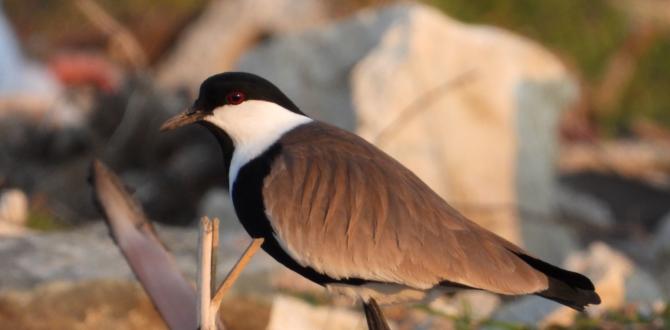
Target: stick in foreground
x: 173, y: 296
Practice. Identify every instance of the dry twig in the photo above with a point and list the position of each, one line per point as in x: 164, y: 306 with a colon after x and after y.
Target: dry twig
x: 174, y: 297
x: 154, y: 266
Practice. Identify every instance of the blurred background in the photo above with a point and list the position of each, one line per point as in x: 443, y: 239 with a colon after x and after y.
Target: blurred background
x: 547, y: 122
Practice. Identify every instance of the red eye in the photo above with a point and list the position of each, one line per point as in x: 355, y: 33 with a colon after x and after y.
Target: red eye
x: 235, y: 97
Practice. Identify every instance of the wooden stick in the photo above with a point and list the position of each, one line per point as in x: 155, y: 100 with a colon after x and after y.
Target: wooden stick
x: 234, y: 274
x: 215, y: 249
x: 204, y: 279
x: 155, y: 268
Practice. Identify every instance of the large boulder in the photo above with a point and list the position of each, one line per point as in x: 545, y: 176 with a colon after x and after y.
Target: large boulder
x: 480, y: 130
x: 292, y: 313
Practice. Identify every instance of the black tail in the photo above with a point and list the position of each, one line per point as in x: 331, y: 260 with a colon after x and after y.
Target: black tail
x: 568, y: 288
x: 374, y: 316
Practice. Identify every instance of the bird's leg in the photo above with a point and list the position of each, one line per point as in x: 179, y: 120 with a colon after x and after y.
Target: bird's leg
x: 374, y: 316
x: 234, y: 273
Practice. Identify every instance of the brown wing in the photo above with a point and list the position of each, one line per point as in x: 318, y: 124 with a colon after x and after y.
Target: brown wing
x: 346, y: 209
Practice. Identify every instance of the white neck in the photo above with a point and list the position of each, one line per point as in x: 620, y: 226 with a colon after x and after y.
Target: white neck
x: 253, y: 126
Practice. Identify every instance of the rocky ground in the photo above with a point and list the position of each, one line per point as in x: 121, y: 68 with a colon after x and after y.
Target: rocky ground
x: 483, y: 134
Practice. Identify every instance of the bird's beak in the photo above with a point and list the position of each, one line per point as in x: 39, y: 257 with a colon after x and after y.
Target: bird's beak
x: 187, y: 117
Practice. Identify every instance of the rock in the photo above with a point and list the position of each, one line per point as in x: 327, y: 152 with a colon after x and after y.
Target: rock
x: 364, y: 73
x: 295, y: 314
x: 89, y: 253
x: 643, y: 290
x: 215, y: 40
x: 529, y: 310
x: 613, y: 275
x: 13, y: 207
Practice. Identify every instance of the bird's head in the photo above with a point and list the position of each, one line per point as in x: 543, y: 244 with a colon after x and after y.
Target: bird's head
x: 244, y: 106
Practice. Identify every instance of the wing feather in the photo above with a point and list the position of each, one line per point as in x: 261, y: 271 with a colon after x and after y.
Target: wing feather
x: 348, y: 210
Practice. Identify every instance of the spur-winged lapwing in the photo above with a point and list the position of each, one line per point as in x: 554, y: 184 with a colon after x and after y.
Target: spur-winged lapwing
x: 344, y: 214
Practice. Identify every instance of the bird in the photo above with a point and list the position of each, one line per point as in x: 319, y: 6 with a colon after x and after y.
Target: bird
x: 342, y: 213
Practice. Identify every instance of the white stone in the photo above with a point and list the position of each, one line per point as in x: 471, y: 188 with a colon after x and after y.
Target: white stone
x: 487, y: 144
x: 610, y: 272
x: 13, y: 207
x: 295, y: 314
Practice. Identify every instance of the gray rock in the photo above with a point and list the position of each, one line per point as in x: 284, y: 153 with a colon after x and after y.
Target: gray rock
x: 89, y: 253
x: 617, y: 281
x: 643, y: 290
x: 292, y: 313
x: 526, y: 310
x: 363, y: 73
x: 314, y: 68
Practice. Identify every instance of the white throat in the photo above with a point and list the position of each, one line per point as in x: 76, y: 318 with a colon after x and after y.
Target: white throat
x: 253, y: 126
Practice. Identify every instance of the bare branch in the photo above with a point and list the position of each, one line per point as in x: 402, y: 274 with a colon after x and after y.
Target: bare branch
x: 204, y: 278
x: 173, y: 296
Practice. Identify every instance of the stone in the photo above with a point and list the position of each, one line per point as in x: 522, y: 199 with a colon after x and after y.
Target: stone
x: 295, y: 314
x: 480, y: 133
x: 88, y: 253
x: 529, y: 310
x: 14, y: 207
x: 612, y: 274
x: 643, y: 290
x: 220, y: 35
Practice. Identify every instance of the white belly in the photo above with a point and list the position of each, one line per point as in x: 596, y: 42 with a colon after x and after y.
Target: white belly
x: 385, y: 293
